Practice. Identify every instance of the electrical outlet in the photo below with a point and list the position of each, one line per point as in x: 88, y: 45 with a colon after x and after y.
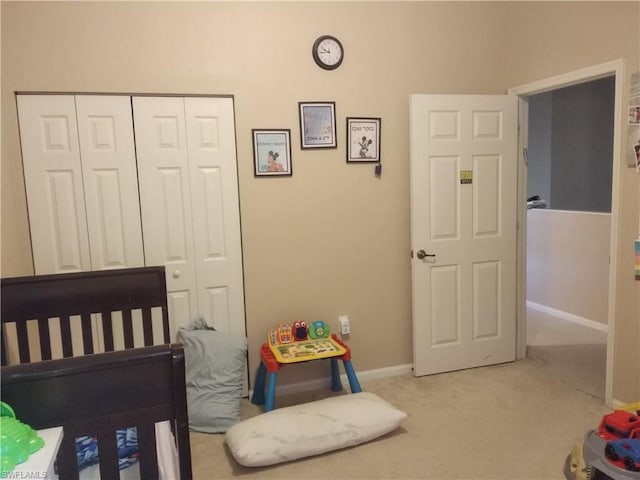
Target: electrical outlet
x: 345, y: 327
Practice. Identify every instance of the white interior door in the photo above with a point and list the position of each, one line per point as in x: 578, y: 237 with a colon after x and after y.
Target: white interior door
x: 215, y: 212
x: 163, y: 176
x: 105, y: 129
x: 190, y: 209
x: 53, y: 180
x: 463, y: 230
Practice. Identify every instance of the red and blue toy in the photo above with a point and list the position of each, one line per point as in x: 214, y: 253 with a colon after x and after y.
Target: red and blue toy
x: 619, y: 424
x: 621, y: 430
x: 625, y: 450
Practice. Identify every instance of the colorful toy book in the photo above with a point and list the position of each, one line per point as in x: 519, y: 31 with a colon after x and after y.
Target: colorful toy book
x: 300, y: 343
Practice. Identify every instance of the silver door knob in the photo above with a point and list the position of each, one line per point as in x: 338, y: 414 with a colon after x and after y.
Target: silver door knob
x: 422, y: 254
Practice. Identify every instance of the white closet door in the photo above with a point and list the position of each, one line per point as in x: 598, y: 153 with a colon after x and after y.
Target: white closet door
x: 53, y: 180
x: 108, y: 157
x: 163, y: 175
x: 215, y: 208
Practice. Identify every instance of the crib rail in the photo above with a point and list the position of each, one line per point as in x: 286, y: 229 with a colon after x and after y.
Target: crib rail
x: 46, y: 307
x: 99, y: 394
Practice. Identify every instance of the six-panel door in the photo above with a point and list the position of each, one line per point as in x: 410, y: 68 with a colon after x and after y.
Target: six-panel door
x: 463, y: 212
x: 189, y: 201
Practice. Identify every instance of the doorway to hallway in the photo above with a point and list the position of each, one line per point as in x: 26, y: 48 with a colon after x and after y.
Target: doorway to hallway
x: 610, y: 69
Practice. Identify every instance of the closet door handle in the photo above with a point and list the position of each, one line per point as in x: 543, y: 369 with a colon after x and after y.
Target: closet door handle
x: 422, y: 254
x: 176, y: 274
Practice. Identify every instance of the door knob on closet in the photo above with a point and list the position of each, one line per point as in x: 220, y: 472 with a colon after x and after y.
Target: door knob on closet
x: 176, y: 274
x: 422, y: 254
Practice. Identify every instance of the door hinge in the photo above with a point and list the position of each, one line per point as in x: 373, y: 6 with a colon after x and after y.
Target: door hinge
x: 525, y: 155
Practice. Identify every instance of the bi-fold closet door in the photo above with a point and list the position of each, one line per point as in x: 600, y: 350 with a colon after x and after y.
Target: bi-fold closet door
x: 189, y: 201
x: 118, y: 181
x: 81, y: 182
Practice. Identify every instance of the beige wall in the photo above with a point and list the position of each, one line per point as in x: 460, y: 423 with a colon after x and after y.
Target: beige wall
x: 568, y: 262
x: 332, y: 239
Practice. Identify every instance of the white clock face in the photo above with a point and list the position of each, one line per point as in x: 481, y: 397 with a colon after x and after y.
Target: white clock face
x: 328, y: 52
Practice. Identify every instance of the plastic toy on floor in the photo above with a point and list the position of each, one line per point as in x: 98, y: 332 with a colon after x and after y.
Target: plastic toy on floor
x: 621, y: 423
x: 621, y: 429
x: 612, y: 451
x: 625, y: 450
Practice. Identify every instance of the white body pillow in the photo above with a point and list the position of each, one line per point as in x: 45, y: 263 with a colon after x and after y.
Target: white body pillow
x: 312, y: 428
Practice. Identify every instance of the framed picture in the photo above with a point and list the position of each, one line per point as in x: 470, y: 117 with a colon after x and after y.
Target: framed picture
x: 363, y: 140
x: 318, y: 125
x: 272, y: 152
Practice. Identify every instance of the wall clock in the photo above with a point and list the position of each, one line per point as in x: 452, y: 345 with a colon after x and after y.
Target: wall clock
x: 327, y: 52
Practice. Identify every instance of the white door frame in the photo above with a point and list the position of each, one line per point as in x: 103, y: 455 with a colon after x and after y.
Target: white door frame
x: 615, y: 67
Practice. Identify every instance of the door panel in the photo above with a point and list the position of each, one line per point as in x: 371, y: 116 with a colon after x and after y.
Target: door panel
x: 486, y: 300
x: 486, y: 195
x: 53, y: 180
x: 463, y: 213
x: 445, y: 305
x: 214, y: 202
x: 110, y: 178
x: 443, y: 198
x: 189, y: 198
x: 163, y: 174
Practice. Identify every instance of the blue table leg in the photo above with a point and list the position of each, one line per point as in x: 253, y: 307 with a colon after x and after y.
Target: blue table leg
x: 351, y: 375
x: 336, y: 384
x: 258, y: 389
x: 270, y: 401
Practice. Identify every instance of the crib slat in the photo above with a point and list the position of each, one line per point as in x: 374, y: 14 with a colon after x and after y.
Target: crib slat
x: 165, y: 324
x: 3, y: 347
x: 128, y: 328
x: 45, y: 338
x: 87, y: 333
x: 65, y: 334
x: 147, y: 448
x: 66, y: 461
x: 23, y: 342
x: 181, y: 425
x: 107, y: 331
x: 147, y: 327
x: 108, y: 453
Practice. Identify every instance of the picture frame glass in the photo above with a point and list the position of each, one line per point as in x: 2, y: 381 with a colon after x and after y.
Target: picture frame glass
x: 363, y: 140
x: 318, y: 125
x: 272, y: 152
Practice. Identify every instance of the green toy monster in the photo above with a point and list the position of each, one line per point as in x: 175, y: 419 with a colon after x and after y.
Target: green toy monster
x: 17, y: 440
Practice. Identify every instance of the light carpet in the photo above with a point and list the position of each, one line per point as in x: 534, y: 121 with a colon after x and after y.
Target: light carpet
x: 579, y: 366
x: 512, y: 421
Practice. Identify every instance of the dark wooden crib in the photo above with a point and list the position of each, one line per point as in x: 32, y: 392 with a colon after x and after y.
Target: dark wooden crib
x: 89, y: 393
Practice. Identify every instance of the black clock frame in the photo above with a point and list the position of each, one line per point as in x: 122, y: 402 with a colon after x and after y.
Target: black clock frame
x: 316, y: 58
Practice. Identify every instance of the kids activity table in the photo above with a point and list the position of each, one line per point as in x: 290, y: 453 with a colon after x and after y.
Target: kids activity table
x: 273, y: 357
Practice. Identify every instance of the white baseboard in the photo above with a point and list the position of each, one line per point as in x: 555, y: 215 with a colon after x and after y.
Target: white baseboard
x: 568, y: 316
x: 324, y: 383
